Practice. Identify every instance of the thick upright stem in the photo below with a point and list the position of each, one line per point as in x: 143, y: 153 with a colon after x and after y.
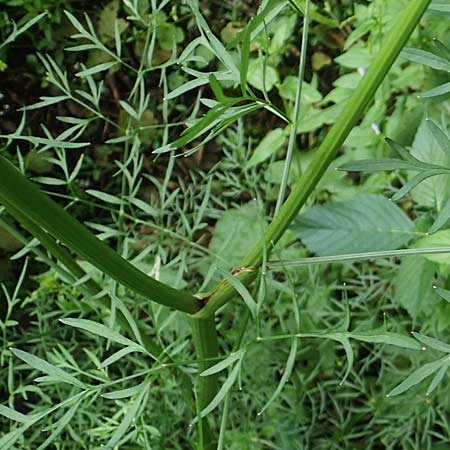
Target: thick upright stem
x: 352, y: 113
x: 204, y: 334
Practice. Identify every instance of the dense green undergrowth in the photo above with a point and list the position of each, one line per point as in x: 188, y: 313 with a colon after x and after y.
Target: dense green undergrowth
x: 133, y: 126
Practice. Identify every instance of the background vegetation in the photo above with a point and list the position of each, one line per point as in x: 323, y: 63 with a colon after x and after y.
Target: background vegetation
x: 95, y: 120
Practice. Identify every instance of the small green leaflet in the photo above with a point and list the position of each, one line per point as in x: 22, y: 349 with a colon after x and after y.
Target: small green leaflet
x: 55, y: 372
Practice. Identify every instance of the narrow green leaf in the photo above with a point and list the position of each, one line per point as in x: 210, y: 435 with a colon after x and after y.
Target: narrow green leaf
x: 417, y: 376
x: 285, y: 377
x: 443, y: 293
x: 108, y: 198
x: 426, y: 58
x: 130, y: 111
x: 100, y: 330
x: 432, y: 343
x: 225, y: 388
x: 441, y: 138
x: 384, y: 337
x: 43, y: 366
x: 443, y: 89
x: 381, y: 165
x: 442, y: 219
x: 131, y: 414
x: 125, y: 393
x: 439, y: 376
x: 60, y: 425
x: 12, y: 414
x: 119, y: 355
x: 414, y: 182
x: 228, y: 361
x: 96, y: 69
x: 9, y: 439
x: 242, y: 291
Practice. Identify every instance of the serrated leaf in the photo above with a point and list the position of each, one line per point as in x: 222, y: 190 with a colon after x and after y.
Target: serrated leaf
x: 435, y: 191
x: 44, y: 366
x: 413, y: 285
x: 362, y: 224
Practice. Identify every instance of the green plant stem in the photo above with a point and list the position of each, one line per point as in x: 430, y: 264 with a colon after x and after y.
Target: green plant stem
x: 354, y: 109
x: 204, y: 334
x: 298, y: 98
x: 74, y: 272
x: 24, y: 196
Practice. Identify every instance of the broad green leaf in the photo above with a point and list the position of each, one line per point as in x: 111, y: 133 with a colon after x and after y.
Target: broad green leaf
x: 288, y: 91
x: 439, y: 239
x: 261, y: 75
x: 235, y: 232
x: 426, y: 58
x: 221, y: 365
x: 362, y: 224
x: 417, y: 376
x: 435, y: 191
x: 272, y: 142
x: 55, y: 372
x: 413, y: 285
x: 99, y: 330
